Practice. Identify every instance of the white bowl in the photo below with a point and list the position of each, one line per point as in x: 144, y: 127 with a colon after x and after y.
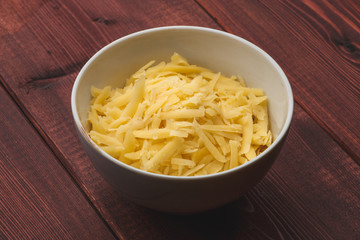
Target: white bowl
x: 213, y: 49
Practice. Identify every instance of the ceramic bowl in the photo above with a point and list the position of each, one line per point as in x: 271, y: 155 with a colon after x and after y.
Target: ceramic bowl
x: 213, y: 49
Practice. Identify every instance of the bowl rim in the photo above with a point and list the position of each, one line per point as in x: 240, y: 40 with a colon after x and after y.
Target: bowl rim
x: 92, y: 144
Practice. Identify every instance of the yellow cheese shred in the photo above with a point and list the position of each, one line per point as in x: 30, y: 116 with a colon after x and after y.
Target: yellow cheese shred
x: 180, y: 119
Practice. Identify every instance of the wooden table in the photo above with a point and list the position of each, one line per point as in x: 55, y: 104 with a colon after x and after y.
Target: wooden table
x: 49, y: 188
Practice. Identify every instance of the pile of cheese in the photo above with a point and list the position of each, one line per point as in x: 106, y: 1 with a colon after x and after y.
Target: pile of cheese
x: 180, y: 119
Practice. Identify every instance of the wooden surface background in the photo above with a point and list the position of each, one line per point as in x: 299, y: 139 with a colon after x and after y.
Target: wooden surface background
x: 49, y: 188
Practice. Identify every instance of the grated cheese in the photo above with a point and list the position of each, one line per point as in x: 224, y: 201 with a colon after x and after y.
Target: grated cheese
x: 180, y: 119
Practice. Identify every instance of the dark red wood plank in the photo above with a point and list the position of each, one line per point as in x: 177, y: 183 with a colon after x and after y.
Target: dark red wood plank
x: 39, y: 200
x: 317, y: 44
x: 74, y: 30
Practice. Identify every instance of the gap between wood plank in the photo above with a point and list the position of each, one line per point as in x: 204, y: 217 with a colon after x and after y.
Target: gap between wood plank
x: 211, y: 16
x: 342, y: 145
x: 47, y: 141
x: 321, y: 123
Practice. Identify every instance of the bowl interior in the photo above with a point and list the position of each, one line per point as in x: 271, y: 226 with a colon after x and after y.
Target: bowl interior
x: 218, y: 51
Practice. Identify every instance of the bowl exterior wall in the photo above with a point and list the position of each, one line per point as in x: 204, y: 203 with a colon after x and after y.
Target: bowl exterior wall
x: 176, y: 196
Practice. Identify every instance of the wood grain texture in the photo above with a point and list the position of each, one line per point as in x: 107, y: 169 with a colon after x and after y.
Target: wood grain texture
x: 312, y: 187
x: 39, y: 200
x: 317, y: 45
